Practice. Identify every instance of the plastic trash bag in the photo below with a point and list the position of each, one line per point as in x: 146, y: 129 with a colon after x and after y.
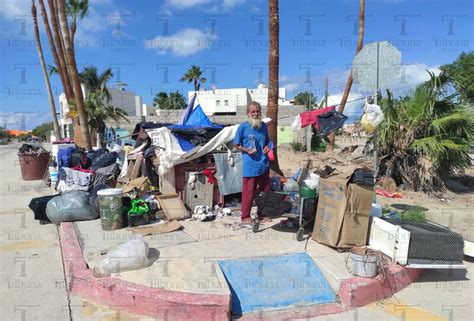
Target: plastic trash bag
x: 312, y: 181
x: 372, y: 118
x: 296, y: 124
x: 69, y: 207
x: 131, y: 255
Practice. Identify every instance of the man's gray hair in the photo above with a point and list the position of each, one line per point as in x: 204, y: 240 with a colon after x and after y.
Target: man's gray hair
x: 254, y: 104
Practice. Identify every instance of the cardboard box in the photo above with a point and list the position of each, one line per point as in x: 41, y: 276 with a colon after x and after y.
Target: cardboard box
x: 342, y: 218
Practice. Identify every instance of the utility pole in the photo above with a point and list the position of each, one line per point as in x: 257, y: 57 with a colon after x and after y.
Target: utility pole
x: 326, y: 92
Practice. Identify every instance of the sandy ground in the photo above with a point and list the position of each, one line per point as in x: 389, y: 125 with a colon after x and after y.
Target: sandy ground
x: 453, y: 209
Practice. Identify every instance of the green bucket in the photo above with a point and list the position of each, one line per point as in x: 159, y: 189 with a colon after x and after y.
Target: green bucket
x: 306, y: 192
x: 110, y: 206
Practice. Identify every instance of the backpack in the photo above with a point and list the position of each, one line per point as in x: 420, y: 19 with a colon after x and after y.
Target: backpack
x: 79, y: 158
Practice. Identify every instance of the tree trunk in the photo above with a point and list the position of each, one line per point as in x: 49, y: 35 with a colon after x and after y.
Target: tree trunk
x: 60, y: 64
x: 273, y: 84
x: 45, y: 72
x: 101, y: 131
x: 345, y: 96
x: 75, y: 76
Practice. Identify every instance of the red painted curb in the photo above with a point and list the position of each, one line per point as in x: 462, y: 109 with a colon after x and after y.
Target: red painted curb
x: 174, y: 305
x: 133, y: 298
x: 358, y: 291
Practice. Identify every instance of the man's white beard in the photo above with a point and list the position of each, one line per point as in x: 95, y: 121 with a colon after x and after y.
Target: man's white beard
x: 255, y: 122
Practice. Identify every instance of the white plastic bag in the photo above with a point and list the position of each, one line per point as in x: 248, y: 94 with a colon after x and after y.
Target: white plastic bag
x: 312, y: 181
x: 291, y: 186
x: 131, y: 255
x: 296, y: 124
x: 372, y: 118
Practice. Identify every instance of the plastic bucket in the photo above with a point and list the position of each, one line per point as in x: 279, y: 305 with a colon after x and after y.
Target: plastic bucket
x: 33, y: 166
x: 364, y: 265
x: 306, y: 192
x: 110, y: 207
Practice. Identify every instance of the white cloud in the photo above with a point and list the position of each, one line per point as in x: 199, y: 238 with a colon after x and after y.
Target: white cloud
x: 232, y: 3
x: 14, y: 8
x: 186, y: 4
x: 414, y: 74
x: 284, y: 78
x: 291, y: 87
x: 92, y: 22
x: 186, y: 42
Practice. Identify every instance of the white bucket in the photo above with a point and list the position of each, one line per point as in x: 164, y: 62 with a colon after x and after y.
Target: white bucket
x: 364, y: 265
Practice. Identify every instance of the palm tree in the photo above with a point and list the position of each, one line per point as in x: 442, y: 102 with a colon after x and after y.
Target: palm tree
x: 345, y: 96
x: 425, y: 137
x: 175, y: 100
x: 193, y: 75
x: 72, y: 67
x: 97, y: 101
x: 305, y: 98
x: 45, y: 72
x: 76, y: 9
x: 56, y: 49
x: 273, y: 83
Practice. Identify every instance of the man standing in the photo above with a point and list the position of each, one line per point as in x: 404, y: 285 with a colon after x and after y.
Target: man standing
x: 252, y: 139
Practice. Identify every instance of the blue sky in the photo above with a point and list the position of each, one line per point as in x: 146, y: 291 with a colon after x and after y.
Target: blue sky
x: 149, y: 45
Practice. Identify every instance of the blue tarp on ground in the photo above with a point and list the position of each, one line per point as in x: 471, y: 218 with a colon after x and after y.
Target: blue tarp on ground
x: 277, y: 282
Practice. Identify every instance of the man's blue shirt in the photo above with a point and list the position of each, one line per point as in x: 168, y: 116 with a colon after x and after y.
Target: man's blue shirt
x: 258, y: 163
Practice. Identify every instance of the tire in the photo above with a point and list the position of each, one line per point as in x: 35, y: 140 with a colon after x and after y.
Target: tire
x: 300, y: 234
x: 255, y: 225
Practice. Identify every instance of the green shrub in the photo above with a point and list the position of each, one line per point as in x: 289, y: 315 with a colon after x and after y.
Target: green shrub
x: 296, y: 146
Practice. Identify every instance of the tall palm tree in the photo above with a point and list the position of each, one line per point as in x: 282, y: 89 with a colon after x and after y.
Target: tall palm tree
x: 72, y: 67
x: 97, y: 101
x: 58, y: 56
x: 76, y: 9
x: 273, y: 83
x: 45, y: 72
x: 193, y: 75
x: 345, y: 96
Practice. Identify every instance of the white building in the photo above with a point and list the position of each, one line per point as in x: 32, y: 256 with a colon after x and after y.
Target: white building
x: 123, y: 99
x: 225, y: 101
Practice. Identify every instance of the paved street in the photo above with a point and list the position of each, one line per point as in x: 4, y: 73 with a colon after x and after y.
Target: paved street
x: 34, y: 284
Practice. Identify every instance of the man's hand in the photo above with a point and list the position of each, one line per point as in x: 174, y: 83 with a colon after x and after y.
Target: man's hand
x: 266, y: 149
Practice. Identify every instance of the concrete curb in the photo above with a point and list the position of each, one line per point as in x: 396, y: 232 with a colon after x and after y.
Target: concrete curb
x: 357, y: 291
x: 174, y: 305
x: 134, y: 298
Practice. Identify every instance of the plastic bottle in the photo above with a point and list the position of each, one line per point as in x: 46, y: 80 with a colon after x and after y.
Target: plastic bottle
x: 251, y: 146
x: 53, y: 172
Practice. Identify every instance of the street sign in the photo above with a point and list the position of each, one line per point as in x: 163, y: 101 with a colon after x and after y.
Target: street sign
x: 376, y: 65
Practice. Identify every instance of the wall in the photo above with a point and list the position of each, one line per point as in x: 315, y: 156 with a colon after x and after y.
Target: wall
x: 286, y: 116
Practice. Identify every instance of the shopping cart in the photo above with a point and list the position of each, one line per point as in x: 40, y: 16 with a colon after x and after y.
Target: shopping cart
x: 299, y: 211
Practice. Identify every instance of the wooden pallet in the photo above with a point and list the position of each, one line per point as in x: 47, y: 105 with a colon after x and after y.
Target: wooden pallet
x: 133, y: 169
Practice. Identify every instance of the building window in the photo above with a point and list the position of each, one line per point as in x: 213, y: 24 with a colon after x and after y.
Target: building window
x: 226, y: 103
x: 218, y: 102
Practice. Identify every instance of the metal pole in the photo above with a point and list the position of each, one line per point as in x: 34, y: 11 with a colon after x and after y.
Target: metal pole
x: 375, y: 154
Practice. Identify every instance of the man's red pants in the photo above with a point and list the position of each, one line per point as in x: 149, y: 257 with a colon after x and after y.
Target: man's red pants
x: 249, y: 186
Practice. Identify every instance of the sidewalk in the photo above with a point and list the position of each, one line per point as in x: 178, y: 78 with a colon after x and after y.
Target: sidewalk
x: 186, y: 272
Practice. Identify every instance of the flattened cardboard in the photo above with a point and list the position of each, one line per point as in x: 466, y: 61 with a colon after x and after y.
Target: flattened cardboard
x: 173, y: 208
x: 356, y: 218
x: 342, y: 218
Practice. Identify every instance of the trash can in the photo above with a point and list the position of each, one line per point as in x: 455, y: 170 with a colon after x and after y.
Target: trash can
x: 33, y: 165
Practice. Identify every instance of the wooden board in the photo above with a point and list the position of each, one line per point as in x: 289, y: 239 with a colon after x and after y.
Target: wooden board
x: 173, y: 208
